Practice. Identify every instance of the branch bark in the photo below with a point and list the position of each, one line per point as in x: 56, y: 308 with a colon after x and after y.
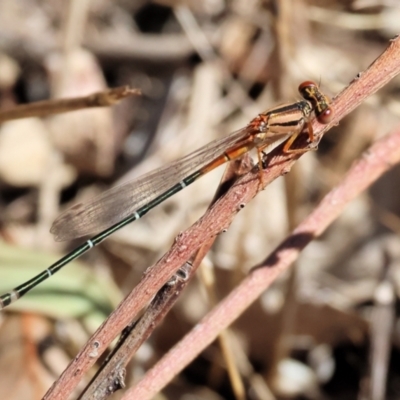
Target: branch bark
x: 57, y: 106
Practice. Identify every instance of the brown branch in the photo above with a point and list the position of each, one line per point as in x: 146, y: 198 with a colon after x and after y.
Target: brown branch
x: 56, y: 106
x: 110, y: 377
x: 220, y: 216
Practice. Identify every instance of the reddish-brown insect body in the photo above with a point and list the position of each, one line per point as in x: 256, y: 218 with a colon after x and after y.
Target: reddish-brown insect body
x: 320, y: 103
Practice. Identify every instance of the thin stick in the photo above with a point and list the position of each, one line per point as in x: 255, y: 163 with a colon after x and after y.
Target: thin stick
x: 219, y: 217
x: 48, y: 107
x: 111, y: 376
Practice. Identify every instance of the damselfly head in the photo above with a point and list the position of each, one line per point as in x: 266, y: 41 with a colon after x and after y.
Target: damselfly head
x: 320, y: 103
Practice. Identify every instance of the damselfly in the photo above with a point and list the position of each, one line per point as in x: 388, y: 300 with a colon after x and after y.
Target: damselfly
x: 128, y: 202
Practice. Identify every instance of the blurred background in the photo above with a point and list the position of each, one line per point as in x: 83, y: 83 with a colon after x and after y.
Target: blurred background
x: 330, y: 329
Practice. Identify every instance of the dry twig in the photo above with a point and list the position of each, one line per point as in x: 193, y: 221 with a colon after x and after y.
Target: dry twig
x: 48, y: 107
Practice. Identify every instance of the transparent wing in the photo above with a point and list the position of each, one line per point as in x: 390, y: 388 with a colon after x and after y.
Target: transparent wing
x: 121, y: 201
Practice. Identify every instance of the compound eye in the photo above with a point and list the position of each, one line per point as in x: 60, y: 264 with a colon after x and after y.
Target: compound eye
x: 325, y: 116
x: 306, y: 85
